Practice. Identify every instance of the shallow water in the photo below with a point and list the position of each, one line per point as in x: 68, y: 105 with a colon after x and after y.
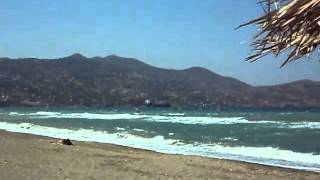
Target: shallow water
x: 287, y: 139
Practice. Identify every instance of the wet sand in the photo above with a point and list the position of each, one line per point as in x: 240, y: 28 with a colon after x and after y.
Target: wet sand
x: 24, y: 156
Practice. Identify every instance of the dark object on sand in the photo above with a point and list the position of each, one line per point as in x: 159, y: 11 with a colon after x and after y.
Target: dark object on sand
x: 65, y: 142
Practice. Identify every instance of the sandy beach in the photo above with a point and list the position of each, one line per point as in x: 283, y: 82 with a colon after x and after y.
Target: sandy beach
x: 24, y: 156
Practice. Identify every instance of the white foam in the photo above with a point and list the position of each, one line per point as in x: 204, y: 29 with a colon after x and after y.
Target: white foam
x: 230, y: 139
x: 142, y: 117
x: 176, y: 114
x: 309, y: 125
x: 120, y: 129
x: 138, y: 130
x: 207, y: 120
x: 263, y: 155
x: 13, y: 113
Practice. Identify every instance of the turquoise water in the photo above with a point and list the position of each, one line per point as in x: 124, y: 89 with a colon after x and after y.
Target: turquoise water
x: 287, y: 139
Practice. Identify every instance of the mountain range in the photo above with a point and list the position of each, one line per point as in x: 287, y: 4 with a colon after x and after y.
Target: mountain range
x: 115, y: 81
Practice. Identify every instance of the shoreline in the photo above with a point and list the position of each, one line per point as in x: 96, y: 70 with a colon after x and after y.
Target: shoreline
x: 101, y: 138
x: 18, y: 150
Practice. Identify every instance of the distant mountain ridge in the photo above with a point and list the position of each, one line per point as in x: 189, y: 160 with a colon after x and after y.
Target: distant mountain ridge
x: 116, y: 81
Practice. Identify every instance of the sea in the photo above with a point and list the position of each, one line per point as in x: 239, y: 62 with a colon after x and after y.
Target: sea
x: 276, y: 138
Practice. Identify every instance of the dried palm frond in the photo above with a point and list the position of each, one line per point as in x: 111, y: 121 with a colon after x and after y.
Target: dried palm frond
x: 292, y: 25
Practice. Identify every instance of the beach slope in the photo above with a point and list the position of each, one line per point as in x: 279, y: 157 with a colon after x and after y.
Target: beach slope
x: 25, y: 156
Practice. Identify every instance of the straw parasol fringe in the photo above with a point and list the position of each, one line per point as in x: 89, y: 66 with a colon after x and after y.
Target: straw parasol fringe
x: 288, y: 25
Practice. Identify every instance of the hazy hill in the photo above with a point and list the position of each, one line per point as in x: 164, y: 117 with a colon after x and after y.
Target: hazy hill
x: 116, y: 81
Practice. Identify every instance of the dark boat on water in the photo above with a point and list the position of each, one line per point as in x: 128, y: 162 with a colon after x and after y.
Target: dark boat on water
x: 160, y: 104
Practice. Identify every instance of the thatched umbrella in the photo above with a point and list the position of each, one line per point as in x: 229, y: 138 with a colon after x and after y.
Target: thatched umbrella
x: 288, y: 25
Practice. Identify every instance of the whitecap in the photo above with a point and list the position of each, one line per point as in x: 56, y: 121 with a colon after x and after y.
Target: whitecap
x: 261, y: 155
x: 201, y: 120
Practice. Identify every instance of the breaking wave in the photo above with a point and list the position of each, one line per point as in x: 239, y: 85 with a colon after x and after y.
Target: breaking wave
x: 170, y: 118
x: 260, y: 155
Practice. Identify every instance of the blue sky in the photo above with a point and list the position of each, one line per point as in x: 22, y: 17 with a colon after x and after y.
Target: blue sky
x: 168, y: 33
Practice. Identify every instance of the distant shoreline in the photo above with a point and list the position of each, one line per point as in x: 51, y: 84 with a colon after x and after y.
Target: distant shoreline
x: 117, y: 81
x: 27, y: 152
x: 174, y: 108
